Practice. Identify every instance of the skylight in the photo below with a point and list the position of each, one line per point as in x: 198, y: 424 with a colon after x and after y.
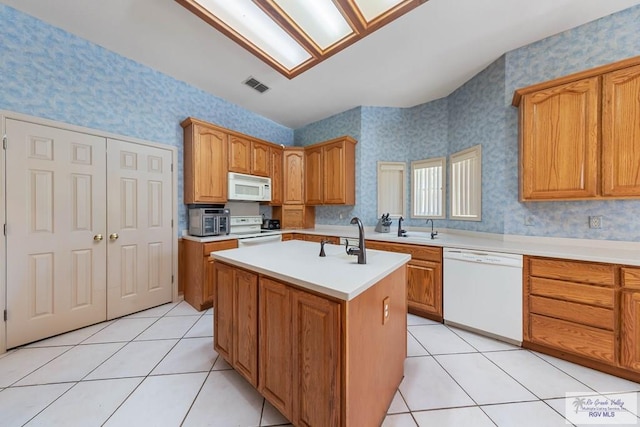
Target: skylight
x: 293, y: 36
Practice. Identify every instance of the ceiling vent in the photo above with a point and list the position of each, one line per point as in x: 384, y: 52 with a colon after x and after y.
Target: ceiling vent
x: 251, y: 82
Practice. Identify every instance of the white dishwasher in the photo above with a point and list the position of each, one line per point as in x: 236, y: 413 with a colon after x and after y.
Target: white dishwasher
x: 482, y: 291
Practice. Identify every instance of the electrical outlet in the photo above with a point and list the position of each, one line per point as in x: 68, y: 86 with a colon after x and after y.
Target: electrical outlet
x: 595, y: 221
x: 341, y: 215
x: 385, y: 310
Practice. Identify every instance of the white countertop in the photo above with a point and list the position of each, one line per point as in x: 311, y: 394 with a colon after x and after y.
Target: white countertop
x: 609, y: 251
x: 297, y: 262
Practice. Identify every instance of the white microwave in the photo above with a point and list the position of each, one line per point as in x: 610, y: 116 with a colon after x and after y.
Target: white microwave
x: 249, y: 187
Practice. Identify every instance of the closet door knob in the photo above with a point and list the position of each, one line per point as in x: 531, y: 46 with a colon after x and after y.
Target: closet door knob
x: 97, y: 237
x: 113, y: 236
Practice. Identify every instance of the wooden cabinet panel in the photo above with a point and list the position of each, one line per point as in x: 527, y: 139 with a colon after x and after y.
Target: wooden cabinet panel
x: 579, y: 134
x: 198, y: 276
x: 295, y: 216
x: 276, y: 349
x: 426, y: 253
x: 205, y: 163
x: 630, y: 330
x: 424, y: 277
x: 584, y: 314
x: 223, y: 324
x: 582, y: 340
x: 316, y: 365
x: 313, y: 176
x: 316, y: 238
x: 575, y: 292
x: 245, y: 331
x: 338, y: 164
x: 631, y: 277
x: 208, y: 289
x: 260, y: 159
x: 287, y: 236
x: 275, y: 161
x: 575, y: 271
x: 293, y: 175
x: 559, y: 141
x: 424, y: 286
x: 330, y: 172
x: 239, y: 154
x: 621, y: 133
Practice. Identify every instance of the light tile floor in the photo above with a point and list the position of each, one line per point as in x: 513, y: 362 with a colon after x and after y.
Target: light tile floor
x: 158, y: 368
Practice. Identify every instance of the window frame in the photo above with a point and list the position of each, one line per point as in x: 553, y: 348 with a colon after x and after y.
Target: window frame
x: 429, y: 163
x: 402, y: 167
x: 473, y: 153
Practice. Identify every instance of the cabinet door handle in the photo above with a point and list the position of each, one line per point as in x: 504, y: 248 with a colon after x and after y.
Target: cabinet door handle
x: 97, y: 237
x: 113, y: 236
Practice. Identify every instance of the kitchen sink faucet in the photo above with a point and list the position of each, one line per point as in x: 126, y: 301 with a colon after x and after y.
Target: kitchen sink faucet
x: 360, y: 250
x: 401, y: 232
x: 433, y: 235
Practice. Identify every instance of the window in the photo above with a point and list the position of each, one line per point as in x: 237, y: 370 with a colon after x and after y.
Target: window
x: 466, y: 184
x: 391, y: 195
x: 428, y: 188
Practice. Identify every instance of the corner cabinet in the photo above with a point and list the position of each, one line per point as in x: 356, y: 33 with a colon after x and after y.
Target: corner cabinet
x: 568, y: 149
x: 293, y: 176
x: 330, y: 172
x: 205, y: 163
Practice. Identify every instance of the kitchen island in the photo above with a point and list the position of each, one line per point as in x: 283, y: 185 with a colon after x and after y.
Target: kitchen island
x: 322, y: 338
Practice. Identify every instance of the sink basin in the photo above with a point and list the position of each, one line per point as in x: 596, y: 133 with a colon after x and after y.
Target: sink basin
x: 419, y: 235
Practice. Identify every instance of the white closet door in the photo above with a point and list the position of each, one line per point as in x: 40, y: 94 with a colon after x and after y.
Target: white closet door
x: 56, y: 211
x: 140, y: 254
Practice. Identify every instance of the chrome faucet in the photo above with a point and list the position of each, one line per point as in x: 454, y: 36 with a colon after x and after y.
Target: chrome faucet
x: 433, y: 235
x: 401, y: 232
x: 360, y: 251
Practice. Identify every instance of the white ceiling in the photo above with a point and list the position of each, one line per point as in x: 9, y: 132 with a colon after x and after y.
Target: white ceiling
x: 424, y: 55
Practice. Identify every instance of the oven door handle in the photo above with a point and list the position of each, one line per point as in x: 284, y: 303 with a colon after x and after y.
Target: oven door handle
x: 260, y: 240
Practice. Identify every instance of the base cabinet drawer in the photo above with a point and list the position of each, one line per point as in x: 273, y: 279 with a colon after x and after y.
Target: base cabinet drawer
x: 597, y: 317
x: 577, y: 339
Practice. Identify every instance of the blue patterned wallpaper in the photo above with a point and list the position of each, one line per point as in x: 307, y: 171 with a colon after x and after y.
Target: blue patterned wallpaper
x: 480, y: 111
x: 477, y: 116
x: 603, y: 41
x: 47, y: 72
x: 50, y: 73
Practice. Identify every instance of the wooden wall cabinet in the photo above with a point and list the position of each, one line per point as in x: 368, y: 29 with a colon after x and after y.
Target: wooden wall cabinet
x: 277, y: 177
x: 424, y: 277
x: 568, y: 148
x: 205, y: 163
x: 293, y: 176
x: 330, y: 172
x: 621, y: 133
x: 198, y: 275
x: 585, y: 312
x: 248, y: 156
x: 236, y: 319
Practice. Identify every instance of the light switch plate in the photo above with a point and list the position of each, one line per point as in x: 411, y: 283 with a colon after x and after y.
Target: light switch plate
x: 386, y: 306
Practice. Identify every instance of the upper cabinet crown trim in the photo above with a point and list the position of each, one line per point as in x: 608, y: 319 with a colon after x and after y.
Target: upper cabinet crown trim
x: 593, y: 72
